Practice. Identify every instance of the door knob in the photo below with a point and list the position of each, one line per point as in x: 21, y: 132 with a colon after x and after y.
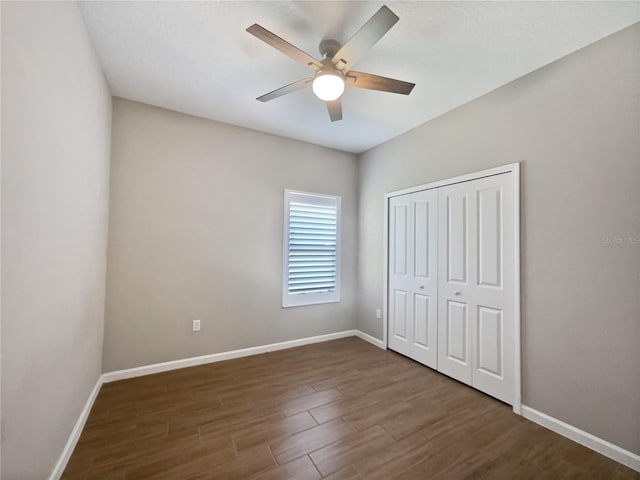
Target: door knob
x: 421, y: 287
x: 457, y: 293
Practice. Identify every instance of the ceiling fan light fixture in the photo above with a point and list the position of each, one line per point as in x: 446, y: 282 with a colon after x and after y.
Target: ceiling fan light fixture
x: 328, y: 86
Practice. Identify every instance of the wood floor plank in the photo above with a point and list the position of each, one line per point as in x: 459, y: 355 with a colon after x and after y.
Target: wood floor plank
x: 138, y: 453
x: 236, y: 425
x: 273, y: 430
x: 333, y: 379
x: 262, y: 392
x: 252, y: 461
x: 300, y: 469
x: 375, y: 414
x: 395, y: 459
x: 346, y: 451
x: 443, y: 463
x: 305, y: 442
x: 343, y: 408
x: 347, y: 473
x: 415, y: 419
x: 376, y: 378
x: 503, y: 468
x: 143, y: 430
x: 306, y: 402
x: 163, y: 463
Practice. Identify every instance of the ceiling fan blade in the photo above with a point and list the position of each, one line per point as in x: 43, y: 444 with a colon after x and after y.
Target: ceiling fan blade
x: 365, y: 38
x: 335, y: 110
x: 284, y: 46
x: 292, y: 87
x: 376, y: 82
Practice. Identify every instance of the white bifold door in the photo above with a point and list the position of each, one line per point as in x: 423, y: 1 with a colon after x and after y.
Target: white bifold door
x: 413, y: 275
x: 452, y: 282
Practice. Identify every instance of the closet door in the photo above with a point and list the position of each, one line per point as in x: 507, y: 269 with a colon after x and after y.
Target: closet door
x: 424, y: 284
x: 454, y: 286
x: 493, y: 327
x: 413, y: 284
x: 476, y: 297
x: 400, y: 275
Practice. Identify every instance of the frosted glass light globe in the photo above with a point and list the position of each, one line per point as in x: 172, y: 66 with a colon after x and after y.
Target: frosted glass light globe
x: 328, y: 86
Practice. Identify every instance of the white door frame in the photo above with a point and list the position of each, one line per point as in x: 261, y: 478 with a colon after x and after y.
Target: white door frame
x: 513, y: 168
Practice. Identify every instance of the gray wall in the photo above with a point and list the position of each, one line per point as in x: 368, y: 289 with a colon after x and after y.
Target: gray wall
x: 56, y: 121
x: 575, y: 126
x: 196, y: 233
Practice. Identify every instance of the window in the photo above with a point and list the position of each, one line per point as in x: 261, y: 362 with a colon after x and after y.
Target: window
x: 311, y: 257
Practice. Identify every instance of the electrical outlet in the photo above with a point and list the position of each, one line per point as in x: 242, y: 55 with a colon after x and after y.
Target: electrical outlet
x: 196, y: 325
x: 378, y: 313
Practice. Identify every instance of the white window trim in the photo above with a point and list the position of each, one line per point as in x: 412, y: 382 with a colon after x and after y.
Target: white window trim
x: 301, y: 299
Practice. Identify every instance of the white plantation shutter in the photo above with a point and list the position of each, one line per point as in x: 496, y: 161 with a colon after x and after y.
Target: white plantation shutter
x: 311, y: 249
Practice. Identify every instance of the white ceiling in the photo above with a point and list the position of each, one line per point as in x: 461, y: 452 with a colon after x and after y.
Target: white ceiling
x: 196, y: 58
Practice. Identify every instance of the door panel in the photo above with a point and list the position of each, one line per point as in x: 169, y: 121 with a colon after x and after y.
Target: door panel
x: 493, y: 326
x: 476, y: 225
x: 421, y: 247
x: 456, y: 253
x: 489, y: 341
x: 454, y: 292
x: 400, y: 284
x: 454, y: 346
x: 400, y: 314
x: 413, y: 286
x: 457, y: 332
x: 421, y: 320
x: 489, y: 237
x: 424, y: 282
x: 400, y: 225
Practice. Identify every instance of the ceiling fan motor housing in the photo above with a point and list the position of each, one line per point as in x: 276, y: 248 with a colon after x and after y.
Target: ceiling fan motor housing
x: 328, y: 48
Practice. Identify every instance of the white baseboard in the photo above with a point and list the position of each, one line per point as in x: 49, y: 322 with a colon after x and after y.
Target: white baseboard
x: 607, y: 449
x: 58, y: 470
x: 219, y: 357
x: 368, y: 338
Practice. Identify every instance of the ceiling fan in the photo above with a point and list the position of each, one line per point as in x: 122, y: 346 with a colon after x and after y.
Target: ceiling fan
x: 334, y: 72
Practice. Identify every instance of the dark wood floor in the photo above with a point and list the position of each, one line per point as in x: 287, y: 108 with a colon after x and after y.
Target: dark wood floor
x: 339, y: 410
